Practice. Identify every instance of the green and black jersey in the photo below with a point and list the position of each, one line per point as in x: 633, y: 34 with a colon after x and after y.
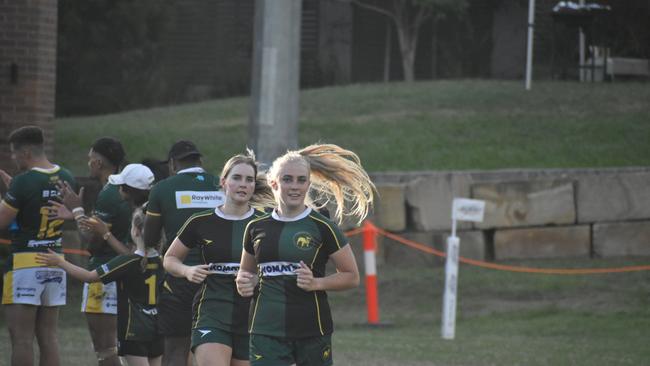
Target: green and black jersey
x: 219, y: 238
x: 116, y: 212
x: 178, y: 197
x: 28, y: 195
x: 137, y: 293
x: 280, y: 308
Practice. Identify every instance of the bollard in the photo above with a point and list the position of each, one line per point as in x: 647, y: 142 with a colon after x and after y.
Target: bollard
x: 369, y: 249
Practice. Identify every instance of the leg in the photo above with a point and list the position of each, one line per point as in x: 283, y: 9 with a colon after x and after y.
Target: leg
x: 47, y: 319
x: 155, y: 361
x: 103, y: 332
x: 177, y: 350
x: 235, y: 362
x: 21, y: 322
x: 213, y: 354
x: 136, y: 360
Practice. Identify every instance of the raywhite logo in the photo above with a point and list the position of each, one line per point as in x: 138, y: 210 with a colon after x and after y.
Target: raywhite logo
x: 197, y: 199
x: 204, y: 332
x: 224, y: 268
x: 279, y: 268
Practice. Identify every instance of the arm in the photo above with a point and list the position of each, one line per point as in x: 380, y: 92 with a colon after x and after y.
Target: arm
x: 246, y: 277
x: 51, y: 258
x: 173, y: 263
x: 100, y: 228
x: 152, y: 229
x: 346, y: 276
x: 7, y: 215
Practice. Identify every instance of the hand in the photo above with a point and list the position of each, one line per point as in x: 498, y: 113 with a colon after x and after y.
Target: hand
x: 50, y: 259
x: 197, y: 274
x: 70, y: 199
x: 6, y: 178
x: 94, y: 224
x: 58, y: 210
x: 246, y: 282
x: 306, y: 280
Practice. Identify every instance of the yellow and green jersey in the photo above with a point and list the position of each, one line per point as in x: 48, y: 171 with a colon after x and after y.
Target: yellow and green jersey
x: 219, y: 239
x: 137, y: 294
x: 178, y: 197
x: 28, y: 195
x: 280, y: 308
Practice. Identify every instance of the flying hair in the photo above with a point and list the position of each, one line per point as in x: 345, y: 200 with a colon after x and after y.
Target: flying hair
x: 263, y: 195
x: 336, y: 175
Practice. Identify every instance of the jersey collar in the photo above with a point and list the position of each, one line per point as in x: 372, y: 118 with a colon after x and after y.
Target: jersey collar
x: 302, y: 215
x: 220, y: 213
x: 47, y: 171
x: 151, y: 253
x: 195, y: 169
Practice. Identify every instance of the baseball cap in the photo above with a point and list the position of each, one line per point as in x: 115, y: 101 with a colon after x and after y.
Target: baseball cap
x: 182, y: 149
x: 133, y: 175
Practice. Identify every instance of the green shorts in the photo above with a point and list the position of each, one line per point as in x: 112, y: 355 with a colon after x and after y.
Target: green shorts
x: 274, y: 351
x: 238, y: 342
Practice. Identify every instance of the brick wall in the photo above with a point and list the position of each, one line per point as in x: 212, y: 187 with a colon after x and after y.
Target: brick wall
x: 27, y: 69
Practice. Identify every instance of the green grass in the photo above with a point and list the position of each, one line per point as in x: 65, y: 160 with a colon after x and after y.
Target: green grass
x: 396, y: 126
x: 504, y: 318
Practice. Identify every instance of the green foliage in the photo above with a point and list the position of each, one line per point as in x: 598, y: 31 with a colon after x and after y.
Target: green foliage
x: 110, y: 54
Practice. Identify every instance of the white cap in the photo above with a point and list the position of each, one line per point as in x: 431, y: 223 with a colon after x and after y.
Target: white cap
x: 133, y: 175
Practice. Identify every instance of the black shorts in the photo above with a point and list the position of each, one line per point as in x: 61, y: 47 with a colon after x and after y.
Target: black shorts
x: 175, y: 307
x: 148, y: 349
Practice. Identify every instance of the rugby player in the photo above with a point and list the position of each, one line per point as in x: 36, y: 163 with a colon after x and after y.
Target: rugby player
x: 290, y: 320
x: 172, y: 201
x: 32, y: 293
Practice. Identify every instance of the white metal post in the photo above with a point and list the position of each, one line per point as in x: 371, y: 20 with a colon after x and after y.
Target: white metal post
x: 529, y: 50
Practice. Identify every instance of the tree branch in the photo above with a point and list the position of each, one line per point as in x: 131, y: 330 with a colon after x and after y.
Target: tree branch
x: 375, y: 8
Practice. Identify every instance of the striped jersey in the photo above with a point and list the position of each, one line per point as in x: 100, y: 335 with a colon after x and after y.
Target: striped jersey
x: 28, y: 195
x: 137, y: 294
x: 219, y: 238
x: 116, y: 212
x: 180, y: 196
x: 280, y: 308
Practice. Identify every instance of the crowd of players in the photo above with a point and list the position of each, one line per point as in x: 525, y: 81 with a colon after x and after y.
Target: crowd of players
x: 229, y: 269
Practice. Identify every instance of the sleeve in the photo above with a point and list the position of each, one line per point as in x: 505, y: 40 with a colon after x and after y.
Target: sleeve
x: 187, y: 233
x: 15, y: 197
x: 153, y: 206
x: 333, y: 238
x: 118, y: 267
x: 104, y: 209
x: 247, y: 241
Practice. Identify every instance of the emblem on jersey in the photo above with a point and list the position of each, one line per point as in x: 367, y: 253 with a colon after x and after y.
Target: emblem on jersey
x: 327, y: 353
x: 304, y: 241
x: 207, y: 241
x: 204, y: 332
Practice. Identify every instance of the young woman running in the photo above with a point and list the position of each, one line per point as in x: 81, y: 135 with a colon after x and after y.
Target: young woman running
x: 290, y: 320
x: 138, y: 276
x: 219, y: 327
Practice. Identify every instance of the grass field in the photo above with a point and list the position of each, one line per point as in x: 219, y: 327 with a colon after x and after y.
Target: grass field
x: 422, y: 126
x: 504, y: 318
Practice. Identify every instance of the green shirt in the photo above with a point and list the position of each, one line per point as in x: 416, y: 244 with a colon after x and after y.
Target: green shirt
x: 219, y: 239
x: 29, y: 194
x: 178, y: 197
x: 280, y: 308
x: 116, y: 212
x: 137, y: 294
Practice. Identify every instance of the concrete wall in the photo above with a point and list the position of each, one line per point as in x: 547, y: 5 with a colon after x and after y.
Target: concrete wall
x: 552, y: 213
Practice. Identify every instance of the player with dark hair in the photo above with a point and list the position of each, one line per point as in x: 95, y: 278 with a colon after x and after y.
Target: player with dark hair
x: 172, y: 201
x: 99, y: 300
x: 32, y: 292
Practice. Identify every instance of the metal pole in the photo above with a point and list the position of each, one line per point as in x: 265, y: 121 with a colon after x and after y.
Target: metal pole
x: 529, y: 51
x: 581, y: 46
x: 275, y: 87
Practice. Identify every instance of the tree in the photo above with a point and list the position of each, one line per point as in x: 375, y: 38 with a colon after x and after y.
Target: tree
x: 408, y: 16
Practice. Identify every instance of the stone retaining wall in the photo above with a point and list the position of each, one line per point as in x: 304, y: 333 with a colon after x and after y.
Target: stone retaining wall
x: 551, y: 213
